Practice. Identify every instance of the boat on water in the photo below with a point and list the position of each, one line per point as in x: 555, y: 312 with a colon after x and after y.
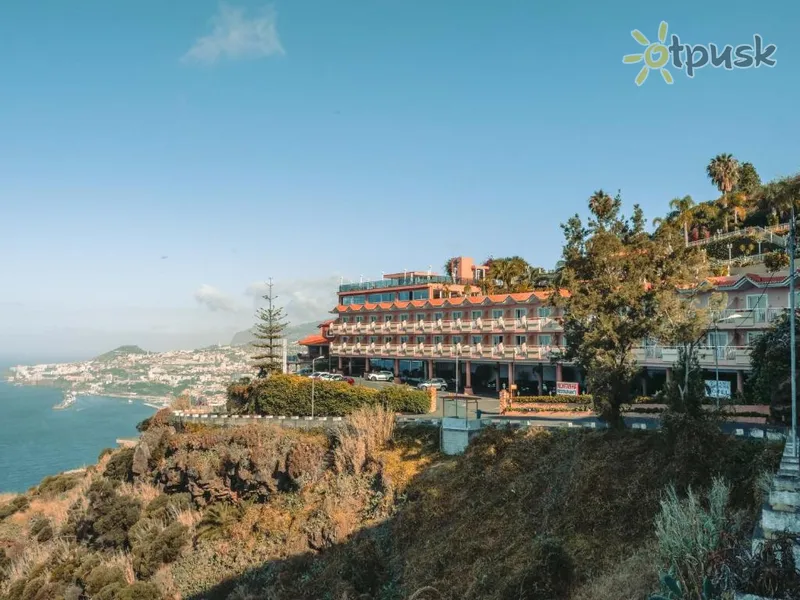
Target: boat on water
x: 69, y: 400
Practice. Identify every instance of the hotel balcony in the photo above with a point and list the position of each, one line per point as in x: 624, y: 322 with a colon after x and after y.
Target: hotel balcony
x: 440, y: 326
x: 445, y: 351
x: 756, y: 317
x: 724, y: 356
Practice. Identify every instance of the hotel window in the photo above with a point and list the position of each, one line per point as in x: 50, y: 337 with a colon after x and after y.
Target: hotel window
x: 403, y: 339
x: 373, y: 318
x: 758, y: 304
x: 497, y: 313
x: 752, y: 337
x: 438, y: 316
x: 374, y: 298
x: 355, y: 299
x: 477, y: 314
x: 387, y: 297
x: 404, y: 296
x: 420, y: 295
x: 456, y: 314
x: 497, y: 339
x: 545, y: 340
x: 345, y: 319
x: 359, y: 319
x: 420, y: 339
x: 520, y: 312
x: 437, y: 339
x: 544, y: 311
x: 477, y: 339
x: 403, y: 317
x: 373, y: 339
x: 420, y: 317
x: 387, y: 340
x: 456, y: 339
x: 522, y: 339
x: 345, y: 339
x: 387, y: 318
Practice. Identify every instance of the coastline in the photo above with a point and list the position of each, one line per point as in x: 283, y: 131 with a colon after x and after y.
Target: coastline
x: 156, y: 401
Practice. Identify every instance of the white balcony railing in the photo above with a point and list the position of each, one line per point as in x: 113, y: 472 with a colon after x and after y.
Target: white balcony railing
x: 707, y: 356
x: 463, y: 351
x: 447, y: 326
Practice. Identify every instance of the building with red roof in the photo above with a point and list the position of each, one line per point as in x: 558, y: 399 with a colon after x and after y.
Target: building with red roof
x: 421, y: 325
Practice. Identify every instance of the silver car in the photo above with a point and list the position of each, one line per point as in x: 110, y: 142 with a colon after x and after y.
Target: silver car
x: 436, y: 383
x: 380, y: 376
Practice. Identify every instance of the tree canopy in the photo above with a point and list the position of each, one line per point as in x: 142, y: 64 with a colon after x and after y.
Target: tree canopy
x: 622, y: 281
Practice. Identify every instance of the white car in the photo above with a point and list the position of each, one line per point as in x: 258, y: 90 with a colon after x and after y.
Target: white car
x: 319, y: 375
x: 380, y: 376
x: 436, y: 383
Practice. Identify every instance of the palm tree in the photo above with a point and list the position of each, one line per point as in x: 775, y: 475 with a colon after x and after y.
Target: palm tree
x: 723, y: 170
x: 682, y: 210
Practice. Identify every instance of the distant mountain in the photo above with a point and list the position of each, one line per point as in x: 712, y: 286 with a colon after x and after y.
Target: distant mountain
x: 120, y: 351
x: 293, y: 333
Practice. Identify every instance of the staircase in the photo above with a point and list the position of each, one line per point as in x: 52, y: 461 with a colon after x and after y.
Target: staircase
x: 775, y: 234
x: 781, y: 511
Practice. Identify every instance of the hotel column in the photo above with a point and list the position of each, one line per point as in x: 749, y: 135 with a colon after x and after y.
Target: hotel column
x: 430, y: 369
x: 669, y: 374
x: 740, y: 381
x: 397, y: 367
x: 497, y: 378
x: 468, y: 387
x: 559, y: 375
x: 340, y: 364
x: 510, y: 375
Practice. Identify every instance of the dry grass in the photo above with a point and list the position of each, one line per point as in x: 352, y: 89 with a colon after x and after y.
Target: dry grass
x: 166, y: 584
x: 367, y: 431
x: 635, y: 578
x: 189, y: 518
x: 6, y: 498
x: 144, y: 492
x: 32, y: 556
x: 124, y: 562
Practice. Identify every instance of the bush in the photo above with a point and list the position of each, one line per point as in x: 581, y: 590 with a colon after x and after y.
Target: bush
x: 55, y: 485
x: 156, y: 548
x: 582, y: 399
x: 103, y: 576
x: 18, y: 504
x: 163, y: 507
x: 41, y: 529
x: 120, y: 465
x: 109, y: 517
x: 141, y: 590
x: 291, y: 396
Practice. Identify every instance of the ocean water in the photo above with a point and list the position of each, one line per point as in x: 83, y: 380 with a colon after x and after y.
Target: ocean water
x: 36, y: 440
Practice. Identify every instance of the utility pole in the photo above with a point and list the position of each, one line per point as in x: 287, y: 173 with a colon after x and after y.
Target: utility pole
x: 792, y: 349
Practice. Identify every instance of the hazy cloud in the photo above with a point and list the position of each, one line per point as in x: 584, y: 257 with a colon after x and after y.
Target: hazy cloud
x: 303, y: 300
x: 236, y: 36
x: 213, y: 299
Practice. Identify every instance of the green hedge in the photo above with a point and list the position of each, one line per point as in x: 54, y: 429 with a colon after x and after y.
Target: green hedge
x: 582, y: 399
x: 291, y: 396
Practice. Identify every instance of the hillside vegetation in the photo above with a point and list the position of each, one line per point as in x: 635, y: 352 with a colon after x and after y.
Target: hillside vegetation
x: 366, y: 512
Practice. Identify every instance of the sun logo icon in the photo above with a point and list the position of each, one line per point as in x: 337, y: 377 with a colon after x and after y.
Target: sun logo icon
x: 655, y: 55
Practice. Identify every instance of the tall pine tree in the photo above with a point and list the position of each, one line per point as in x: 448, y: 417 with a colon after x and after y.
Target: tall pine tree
x: 269, y: 336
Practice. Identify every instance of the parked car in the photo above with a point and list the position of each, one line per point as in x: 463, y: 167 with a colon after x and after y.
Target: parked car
x: 436, y: 383
x: 337, y: 377
x: 380, y: 376
x: 327, y: 377
x: 318, y: 374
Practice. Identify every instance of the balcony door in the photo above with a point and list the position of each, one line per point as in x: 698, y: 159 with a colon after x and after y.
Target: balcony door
x: 719, y: 341
x: 758, y: 304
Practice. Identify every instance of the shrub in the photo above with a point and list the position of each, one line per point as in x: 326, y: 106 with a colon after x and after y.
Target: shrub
x: 104, y: 452
x: 217, y: 520
x: 689, y: 534
x: 41, y: 529
x: 582, y: 399
x: 160, y: 419
x: 55, y: 485
x: 120, y: 465
x: 291, y: 395
x: 18, y: 504
x: 141, y: 590
x: 158, y: 548
x: 358, y: 441
x: 103, y: 576
x: 164, y: 507
x: 109, y: 517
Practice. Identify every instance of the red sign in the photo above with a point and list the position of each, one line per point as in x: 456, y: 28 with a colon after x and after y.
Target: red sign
x: 567, y: 388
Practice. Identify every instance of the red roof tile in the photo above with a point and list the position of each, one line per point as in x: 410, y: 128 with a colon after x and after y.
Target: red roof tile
x: 314, y: 340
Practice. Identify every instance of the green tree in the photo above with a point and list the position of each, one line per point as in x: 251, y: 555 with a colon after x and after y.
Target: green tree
x: 723, y: 170
x: 775, y: 261
x: 621, y: 281
x: 749, y: 182
x: 777, y: 196
x: 770, y: 375
x: 511, y: 275
x: 269, y: 336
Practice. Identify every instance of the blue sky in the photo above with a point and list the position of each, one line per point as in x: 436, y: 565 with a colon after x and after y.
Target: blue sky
x: 309, y: 140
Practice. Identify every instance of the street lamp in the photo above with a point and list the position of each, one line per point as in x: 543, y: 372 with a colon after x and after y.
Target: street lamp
x: 313, y: 382
x: 716, y: 349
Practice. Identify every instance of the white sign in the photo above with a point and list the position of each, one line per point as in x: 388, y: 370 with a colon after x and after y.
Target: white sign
x: 718, y: 389
x: 566, y: 388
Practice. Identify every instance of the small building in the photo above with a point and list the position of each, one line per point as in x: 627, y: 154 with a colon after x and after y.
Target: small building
x: 318, y: 345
